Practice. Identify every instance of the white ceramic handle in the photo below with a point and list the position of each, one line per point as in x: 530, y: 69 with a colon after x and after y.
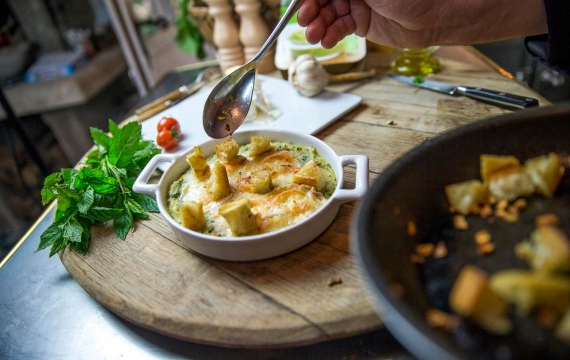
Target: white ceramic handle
x: 361, y: 182
x: 140, y: 185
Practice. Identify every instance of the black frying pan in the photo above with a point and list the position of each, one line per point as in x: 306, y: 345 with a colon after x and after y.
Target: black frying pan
x: 414, y: 184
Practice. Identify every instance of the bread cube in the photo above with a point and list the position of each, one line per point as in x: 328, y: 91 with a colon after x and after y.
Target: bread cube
x: 218, y: 184
x: 467, y: 289
x: 466, y: 195
x: 197, y: 162
x: 310, y: 174
x: 227, y: 149
x: 510, y: 183
x: 472, y: 297
x: 492, y: 164
x: 239, y: 216
x: 527, y: 290
x: 547, y: 250
x: 546, y: 172
x: 192, y: 214
x: 260, y: 182
x: 259, y: 145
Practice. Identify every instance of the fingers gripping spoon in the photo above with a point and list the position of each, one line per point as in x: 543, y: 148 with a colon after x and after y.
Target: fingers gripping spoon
x: 230, y: 100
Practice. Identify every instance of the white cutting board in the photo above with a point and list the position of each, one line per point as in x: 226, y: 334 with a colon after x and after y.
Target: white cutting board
x: 299, y: 113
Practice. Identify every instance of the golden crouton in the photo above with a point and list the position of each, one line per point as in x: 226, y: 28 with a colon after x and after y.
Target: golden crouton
x: 310, y: 174
x: 239, y: 216
x: 493, y: 164
x: 227, y: 149
x: 197, y: 162
x: 528, y: 290
x: 192, y: 215
x: 467, y: 289
x: 259, y: 145
x: 546, y: 172
x: 466, y: 195
x: 218, y: 185
x: 547, y: 250
x: 510, y: 183
x: 471, y: 296
x: 260, y: 182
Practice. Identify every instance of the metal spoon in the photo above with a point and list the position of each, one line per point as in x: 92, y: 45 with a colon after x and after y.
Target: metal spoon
x: 229, y: 101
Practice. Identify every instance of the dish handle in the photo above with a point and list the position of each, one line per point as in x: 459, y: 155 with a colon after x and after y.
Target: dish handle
x: 361, y: 181
x: 140, y: 185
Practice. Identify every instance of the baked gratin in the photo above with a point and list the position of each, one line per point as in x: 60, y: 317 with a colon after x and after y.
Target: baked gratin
x: 250, y: 189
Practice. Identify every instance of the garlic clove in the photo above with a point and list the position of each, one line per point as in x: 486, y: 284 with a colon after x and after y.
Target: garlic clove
x: 308, y: 76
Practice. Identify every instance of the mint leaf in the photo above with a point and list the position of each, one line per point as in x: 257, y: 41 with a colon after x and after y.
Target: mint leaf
x: 145, y: 152
x: 65, y: 197
x: 100, y: 138
x: 86, y: 201
x: 52, y: 179
x: 148, y: 203
x: 144, y: 148
x: 123, y: 223
x: 58, y: 245
x: 97, y: 179
x: 136, y: 209
x: 69, y: 176
x: 106, y: 185
x: 58, y: 215
x: 99, y: 213
x: 113, y: 128
x: 49, y: 236
x: 82, y: 246
x: 124, y: 146
x: 93, y: 158
x: 47, y: 195
x: 72, y: 231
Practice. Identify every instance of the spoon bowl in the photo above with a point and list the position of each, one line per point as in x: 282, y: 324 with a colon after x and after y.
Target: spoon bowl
x: 230, y: 100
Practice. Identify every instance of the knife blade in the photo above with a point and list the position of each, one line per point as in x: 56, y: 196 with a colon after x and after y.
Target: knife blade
x: 477, y: 93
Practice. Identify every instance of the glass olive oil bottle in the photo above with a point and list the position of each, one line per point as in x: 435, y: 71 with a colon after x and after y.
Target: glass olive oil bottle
x: 415, y: 62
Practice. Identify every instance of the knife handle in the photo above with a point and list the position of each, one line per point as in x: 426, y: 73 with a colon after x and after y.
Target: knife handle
x: 498, y: 97
x: 140, y: 117
x: 147, y: 114
x: 173, y: 95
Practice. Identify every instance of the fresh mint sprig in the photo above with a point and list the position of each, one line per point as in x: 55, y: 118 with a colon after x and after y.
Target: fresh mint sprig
x: 101, y: 191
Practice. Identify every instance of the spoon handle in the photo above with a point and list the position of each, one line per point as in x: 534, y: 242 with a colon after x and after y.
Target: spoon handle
x: 293, y: 7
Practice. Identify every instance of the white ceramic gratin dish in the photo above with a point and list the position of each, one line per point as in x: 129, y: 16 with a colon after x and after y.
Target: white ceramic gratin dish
x: 262, y: 246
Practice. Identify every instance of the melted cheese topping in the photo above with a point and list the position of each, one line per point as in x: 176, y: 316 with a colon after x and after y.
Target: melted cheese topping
x: 286, y: 204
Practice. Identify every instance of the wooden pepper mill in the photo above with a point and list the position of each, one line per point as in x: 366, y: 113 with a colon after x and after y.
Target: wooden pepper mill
x: 226, y: 34
x: 253, y: 32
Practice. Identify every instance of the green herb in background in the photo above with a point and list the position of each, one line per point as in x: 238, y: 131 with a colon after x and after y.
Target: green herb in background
x: 101, y: 191
x: 188, y: 37
x: 418, y: 79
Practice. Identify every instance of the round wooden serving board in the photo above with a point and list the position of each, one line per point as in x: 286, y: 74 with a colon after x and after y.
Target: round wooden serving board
x: 152, y: 280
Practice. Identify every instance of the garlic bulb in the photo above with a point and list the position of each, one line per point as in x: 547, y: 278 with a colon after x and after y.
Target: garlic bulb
x: 308, y: 76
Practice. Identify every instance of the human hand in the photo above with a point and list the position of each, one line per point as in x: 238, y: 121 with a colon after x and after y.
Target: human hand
x: 421, y: 23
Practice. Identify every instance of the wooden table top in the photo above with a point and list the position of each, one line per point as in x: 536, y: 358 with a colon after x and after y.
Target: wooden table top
x: 151, y: 280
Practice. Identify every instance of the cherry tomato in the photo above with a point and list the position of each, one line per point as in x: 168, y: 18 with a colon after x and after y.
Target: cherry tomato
x: 166, y: 140
x: 167, y: 123
x: 168, y: 132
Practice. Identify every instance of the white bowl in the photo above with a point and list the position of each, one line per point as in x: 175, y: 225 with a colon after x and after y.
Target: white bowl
x: 263, y: 246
